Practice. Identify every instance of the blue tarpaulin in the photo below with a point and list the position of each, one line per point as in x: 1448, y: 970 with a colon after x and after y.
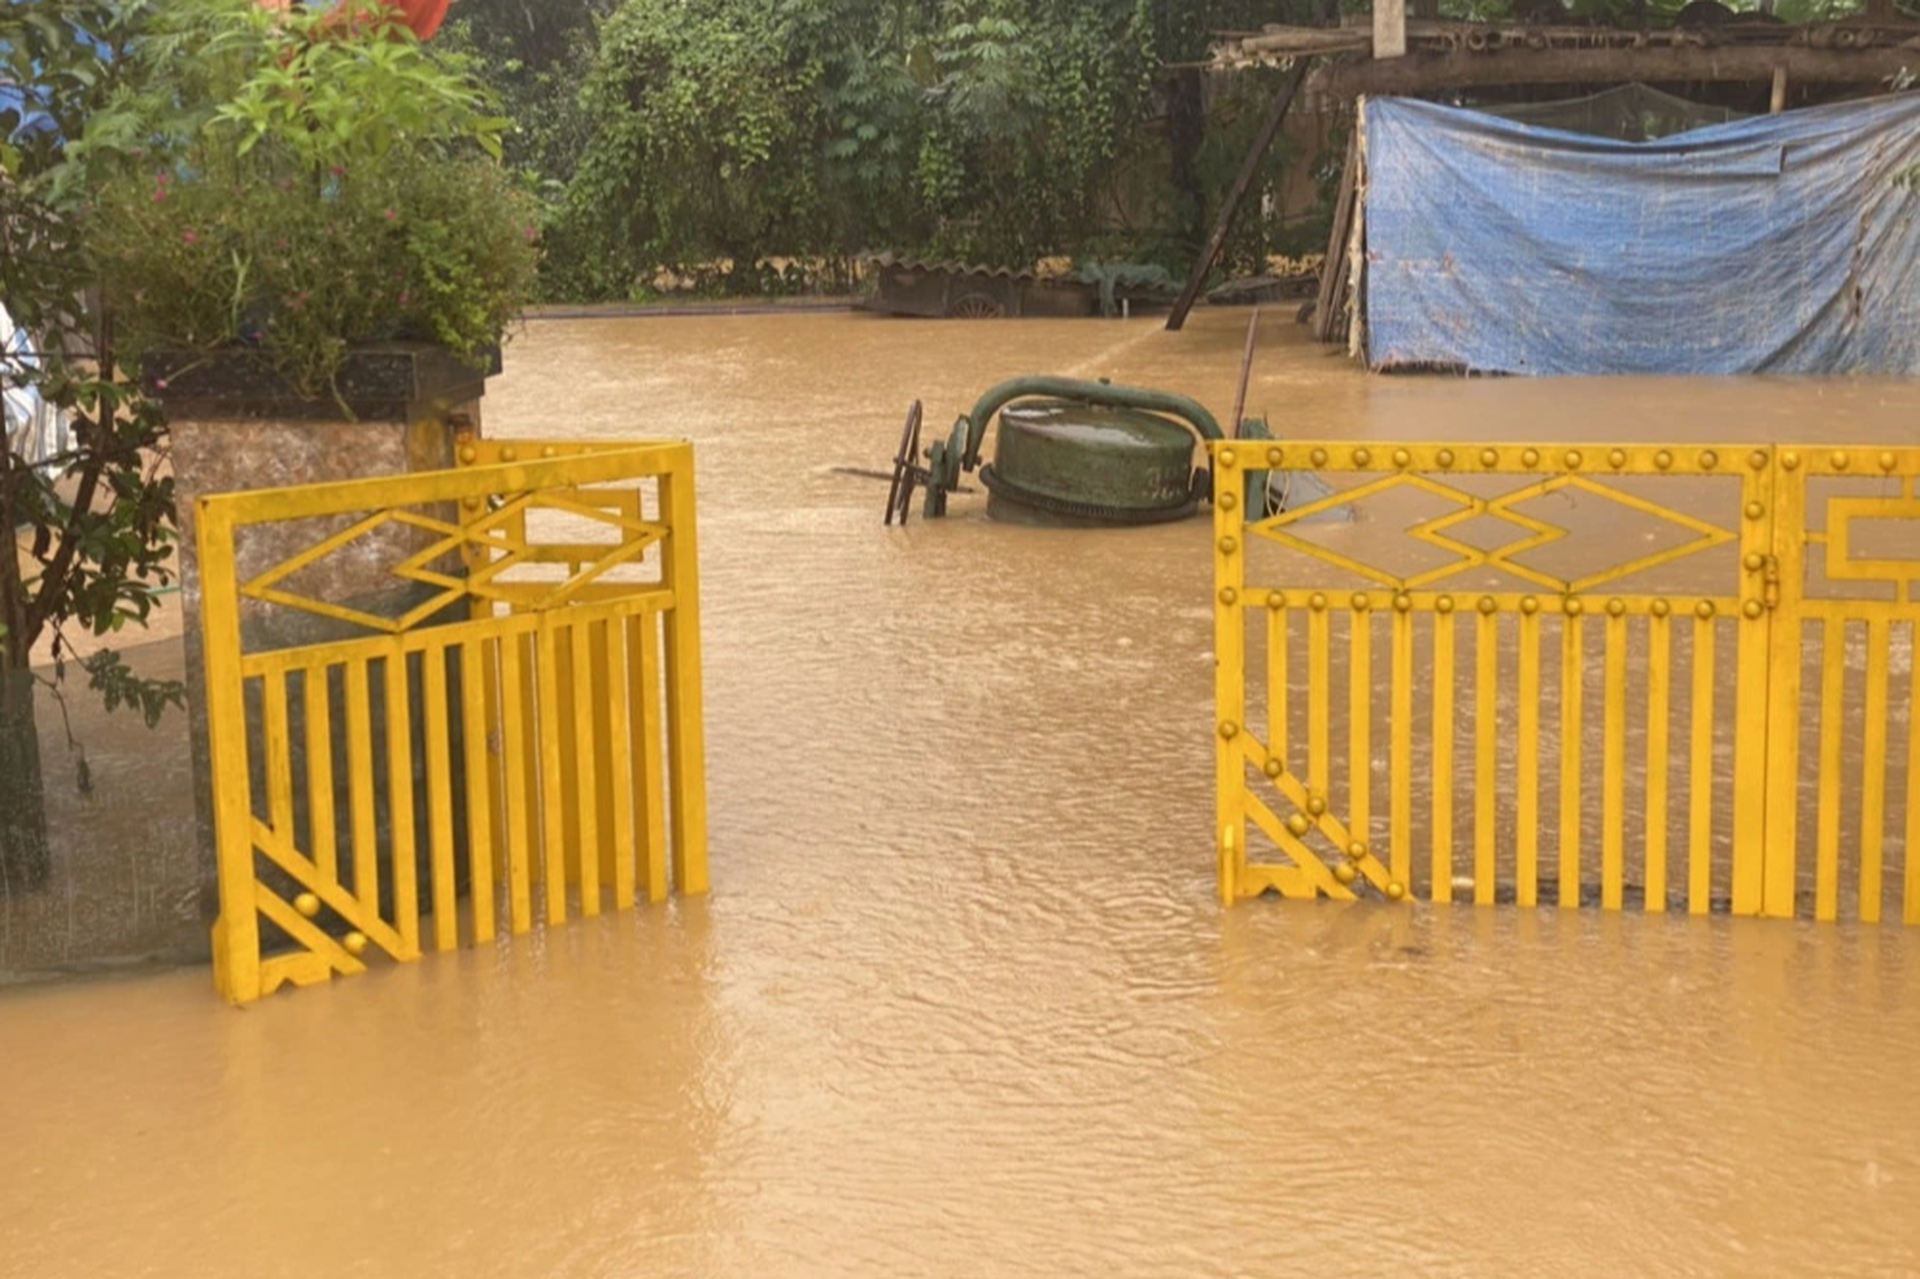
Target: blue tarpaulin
x: 1775, y: 244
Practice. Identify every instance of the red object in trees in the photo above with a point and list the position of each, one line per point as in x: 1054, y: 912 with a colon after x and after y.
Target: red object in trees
x: 424, y: 16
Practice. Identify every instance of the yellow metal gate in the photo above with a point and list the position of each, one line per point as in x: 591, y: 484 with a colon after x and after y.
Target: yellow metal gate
x: 440, y: 702
x: 1635, y: 676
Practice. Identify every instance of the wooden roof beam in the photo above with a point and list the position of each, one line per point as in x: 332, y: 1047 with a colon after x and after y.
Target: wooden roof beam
x: 1422, y: 72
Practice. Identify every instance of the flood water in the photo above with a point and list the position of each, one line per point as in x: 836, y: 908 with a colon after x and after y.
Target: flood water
x: 962, y: 1002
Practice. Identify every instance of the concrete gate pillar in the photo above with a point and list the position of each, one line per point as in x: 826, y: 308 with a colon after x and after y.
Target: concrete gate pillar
x: 234, y: 425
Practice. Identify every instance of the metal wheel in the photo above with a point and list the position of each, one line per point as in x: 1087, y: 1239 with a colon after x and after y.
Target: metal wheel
x: 906, y: 471
x: 976, y: 306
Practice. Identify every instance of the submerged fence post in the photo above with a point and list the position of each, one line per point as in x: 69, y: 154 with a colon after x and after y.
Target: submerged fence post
x: 686, y: 725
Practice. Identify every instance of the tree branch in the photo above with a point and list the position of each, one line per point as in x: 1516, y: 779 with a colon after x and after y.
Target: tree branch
x: 54, y: 572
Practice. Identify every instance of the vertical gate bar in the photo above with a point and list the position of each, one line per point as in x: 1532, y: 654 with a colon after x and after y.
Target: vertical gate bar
x: 1441, y: 850
x: 1833, y: 674
x: 560, y: 714
x: 400, y: 836
x: 366, y: 865
x: 643, y: 656
x: 1486, y: 693
x: 1659, y: 715
x: 617, y: 693
x: 537, y: 725
x: 493, y: 709
x: 495, y: 737
x: 276, y: 745
x: 601, y: 636
x: 1319, y: 690
x: 1873, y: 771
x: 553, y: 794
x: 1572, y: 659
x: 1910, y: 852
x: 1360, y: 727
x: 476, y: 674
x: 236, y: 934
x: 523, y: 702
x: 686, y: 724
x: 515, y: 720
x: 1700, y: 772
x: 1613, y: 768
x: 1766, y: 753
x: 1279, y: 673
x: 1526, y: 856
x: 319, y: 716
x: 586, y: 769
x: 1230, y: 675
x: 446, y: 905
x: 1400, y: 750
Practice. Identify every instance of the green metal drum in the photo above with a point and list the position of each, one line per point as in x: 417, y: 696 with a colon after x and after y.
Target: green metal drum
x: 1083, y: 465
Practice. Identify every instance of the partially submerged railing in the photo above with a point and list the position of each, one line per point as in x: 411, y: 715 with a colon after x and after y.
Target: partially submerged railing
x: 1625, y: 675
x: 442, y: 703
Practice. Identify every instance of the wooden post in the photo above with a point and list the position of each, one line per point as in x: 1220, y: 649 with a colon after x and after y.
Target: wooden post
x: 1779, y: 91
x: 1389, y: 28
x: 1249, y: 169
x: 1333, y: 270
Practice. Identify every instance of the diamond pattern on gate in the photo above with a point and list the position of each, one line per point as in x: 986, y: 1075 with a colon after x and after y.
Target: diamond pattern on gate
x: 493, y: 544
x: 1539, y: 533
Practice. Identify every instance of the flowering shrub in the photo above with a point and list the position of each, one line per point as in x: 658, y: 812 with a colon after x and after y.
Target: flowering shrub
x: 341, y: 185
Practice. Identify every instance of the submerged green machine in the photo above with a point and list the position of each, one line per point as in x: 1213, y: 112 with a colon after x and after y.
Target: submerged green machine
x: 1069, y: 453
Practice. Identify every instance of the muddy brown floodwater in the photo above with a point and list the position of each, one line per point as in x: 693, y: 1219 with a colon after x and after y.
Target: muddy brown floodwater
x: 962, y: 1002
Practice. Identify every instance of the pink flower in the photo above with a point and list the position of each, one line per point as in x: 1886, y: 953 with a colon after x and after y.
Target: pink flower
x: 405, y: 298
x: 190, y: 236
x: 391, y: 215
x: 160, y: 384
x: 163, y: 177
x: 339, y: 171
x: 160, y: 196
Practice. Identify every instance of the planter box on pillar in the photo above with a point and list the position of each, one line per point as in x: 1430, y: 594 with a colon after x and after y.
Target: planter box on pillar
x: 235, y: 426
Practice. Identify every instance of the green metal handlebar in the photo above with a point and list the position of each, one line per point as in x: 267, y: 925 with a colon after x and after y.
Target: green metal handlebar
x: 1066, y: 388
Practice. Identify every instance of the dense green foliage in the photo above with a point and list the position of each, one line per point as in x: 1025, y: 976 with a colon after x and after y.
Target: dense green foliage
x: 202, y: 173
x: 534, y: 55
x: 98, y: 517
x: 320, y: 184
x: 721, y: 133
x: 704, y: 141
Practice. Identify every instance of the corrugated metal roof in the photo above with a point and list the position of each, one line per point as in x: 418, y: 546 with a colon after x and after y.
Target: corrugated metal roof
x: 907, y: 262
